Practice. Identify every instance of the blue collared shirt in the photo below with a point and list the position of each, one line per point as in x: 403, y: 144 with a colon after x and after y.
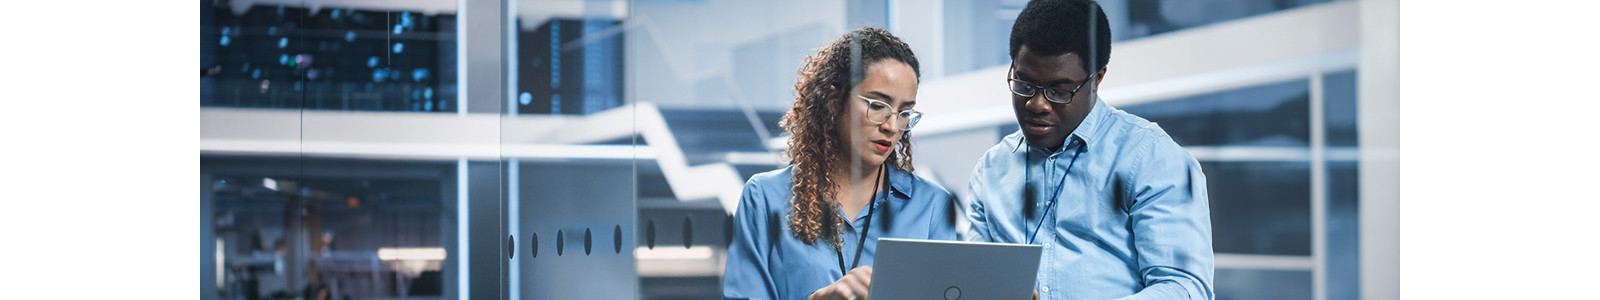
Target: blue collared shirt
x: 1131, y: 219
x: 766, y: 261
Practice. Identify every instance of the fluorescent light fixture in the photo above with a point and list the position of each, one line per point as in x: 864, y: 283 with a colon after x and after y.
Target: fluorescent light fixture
x: 222, y: 257
x: 697, y: 261
x: 434, y: 253
x: 269, y: 183
x: 672, y: 253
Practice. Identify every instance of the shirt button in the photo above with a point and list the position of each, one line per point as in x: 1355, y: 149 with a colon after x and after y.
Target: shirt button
x: 1047, y: 246
x: 1046, y: 289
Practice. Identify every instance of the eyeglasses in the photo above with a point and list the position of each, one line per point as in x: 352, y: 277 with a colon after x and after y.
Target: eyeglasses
x: 879, y: 112
x: 1027, y: 90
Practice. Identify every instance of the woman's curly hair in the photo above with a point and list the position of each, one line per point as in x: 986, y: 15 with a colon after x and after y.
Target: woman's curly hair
x: 815, y: 149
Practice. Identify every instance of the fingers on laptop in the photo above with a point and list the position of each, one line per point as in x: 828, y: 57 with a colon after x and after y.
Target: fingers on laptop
x: 854, y: 285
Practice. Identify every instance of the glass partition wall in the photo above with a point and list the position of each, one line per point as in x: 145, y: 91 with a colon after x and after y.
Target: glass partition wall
x: 339, y: 157
x: 596, y: 149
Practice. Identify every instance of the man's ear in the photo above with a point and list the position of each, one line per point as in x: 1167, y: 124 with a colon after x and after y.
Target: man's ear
x: 1099, y: 76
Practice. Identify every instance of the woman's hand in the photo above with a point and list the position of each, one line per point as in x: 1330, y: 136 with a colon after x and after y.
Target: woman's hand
x: 853, y: 286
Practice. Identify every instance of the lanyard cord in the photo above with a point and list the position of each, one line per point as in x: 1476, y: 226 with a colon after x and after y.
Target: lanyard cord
x: 1059, y: 185
x: 872, y: 205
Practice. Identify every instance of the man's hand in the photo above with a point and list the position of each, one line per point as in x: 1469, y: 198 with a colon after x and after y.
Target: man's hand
x: 853, y: 286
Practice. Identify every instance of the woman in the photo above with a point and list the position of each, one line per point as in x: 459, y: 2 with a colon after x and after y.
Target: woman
x: 799, y: 230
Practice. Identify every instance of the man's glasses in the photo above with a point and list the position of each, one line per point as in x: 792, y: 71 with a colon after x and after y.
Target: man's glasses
x: 1027, y: 90
x: 879, y: 112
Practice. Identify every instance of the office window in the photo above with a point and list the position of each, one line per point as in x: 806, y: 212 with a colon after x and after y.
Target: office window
x: 1262, y: 284
x: 1344, y: 189
x: 978, y: 33
x: 1154, y: 17
x: 345, y: 227
x: 568, y: 66
x: 328, y: 58
x: 1255, y: 145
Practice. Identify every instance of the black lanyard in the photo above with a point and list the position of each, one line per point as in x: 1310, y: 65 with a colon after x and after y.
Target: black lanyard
x: 1060, y: 185
x: 872, y: 205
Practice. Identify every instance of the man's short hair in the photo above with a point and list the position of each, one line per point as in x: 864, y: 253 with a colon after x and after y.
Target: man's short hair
x: 1056, y: 27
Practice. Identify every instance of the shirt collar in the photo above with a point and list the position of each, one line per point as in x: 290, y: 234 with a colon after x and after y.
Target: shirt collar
x: 1084, y: 131
x: 900, y: 182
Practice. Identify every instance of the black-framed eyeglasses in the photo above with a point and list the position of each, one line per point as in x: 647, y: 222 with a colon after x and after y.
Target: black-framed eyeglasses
x: 879, y: 112
x: 1028, y: 89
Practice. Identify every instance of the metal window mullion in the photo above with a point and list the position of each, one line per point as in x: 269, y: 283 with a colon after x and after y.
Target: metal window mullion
x: 1319, y: 192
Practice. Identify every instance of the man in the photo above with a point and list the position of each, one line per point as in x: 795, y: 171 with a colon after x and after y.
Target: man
x: 1122, y: 207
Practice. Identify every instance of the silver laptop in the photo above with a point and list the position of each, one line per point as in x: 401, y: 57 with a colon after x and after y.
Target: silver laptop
x: 927, y: 269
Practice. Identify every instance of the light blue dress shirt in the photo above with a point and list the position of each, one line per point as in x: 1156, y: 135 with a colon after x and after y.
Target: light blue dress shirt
x: 766, y: 261
x: 1131, y: 220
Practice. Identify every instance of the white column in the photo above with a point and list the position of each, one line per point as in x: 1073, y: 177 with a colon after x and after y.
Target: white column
x: 920, y: 23
x: 1378, y: 109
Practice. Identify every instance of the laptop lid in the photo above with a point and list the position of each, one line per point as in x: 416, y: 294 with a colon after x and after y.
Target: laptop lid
x: 928, y: 269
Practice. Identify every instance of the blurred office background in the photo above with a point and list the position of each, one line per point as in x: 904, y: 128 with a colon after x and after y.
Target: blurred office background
x: 594, y: 149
